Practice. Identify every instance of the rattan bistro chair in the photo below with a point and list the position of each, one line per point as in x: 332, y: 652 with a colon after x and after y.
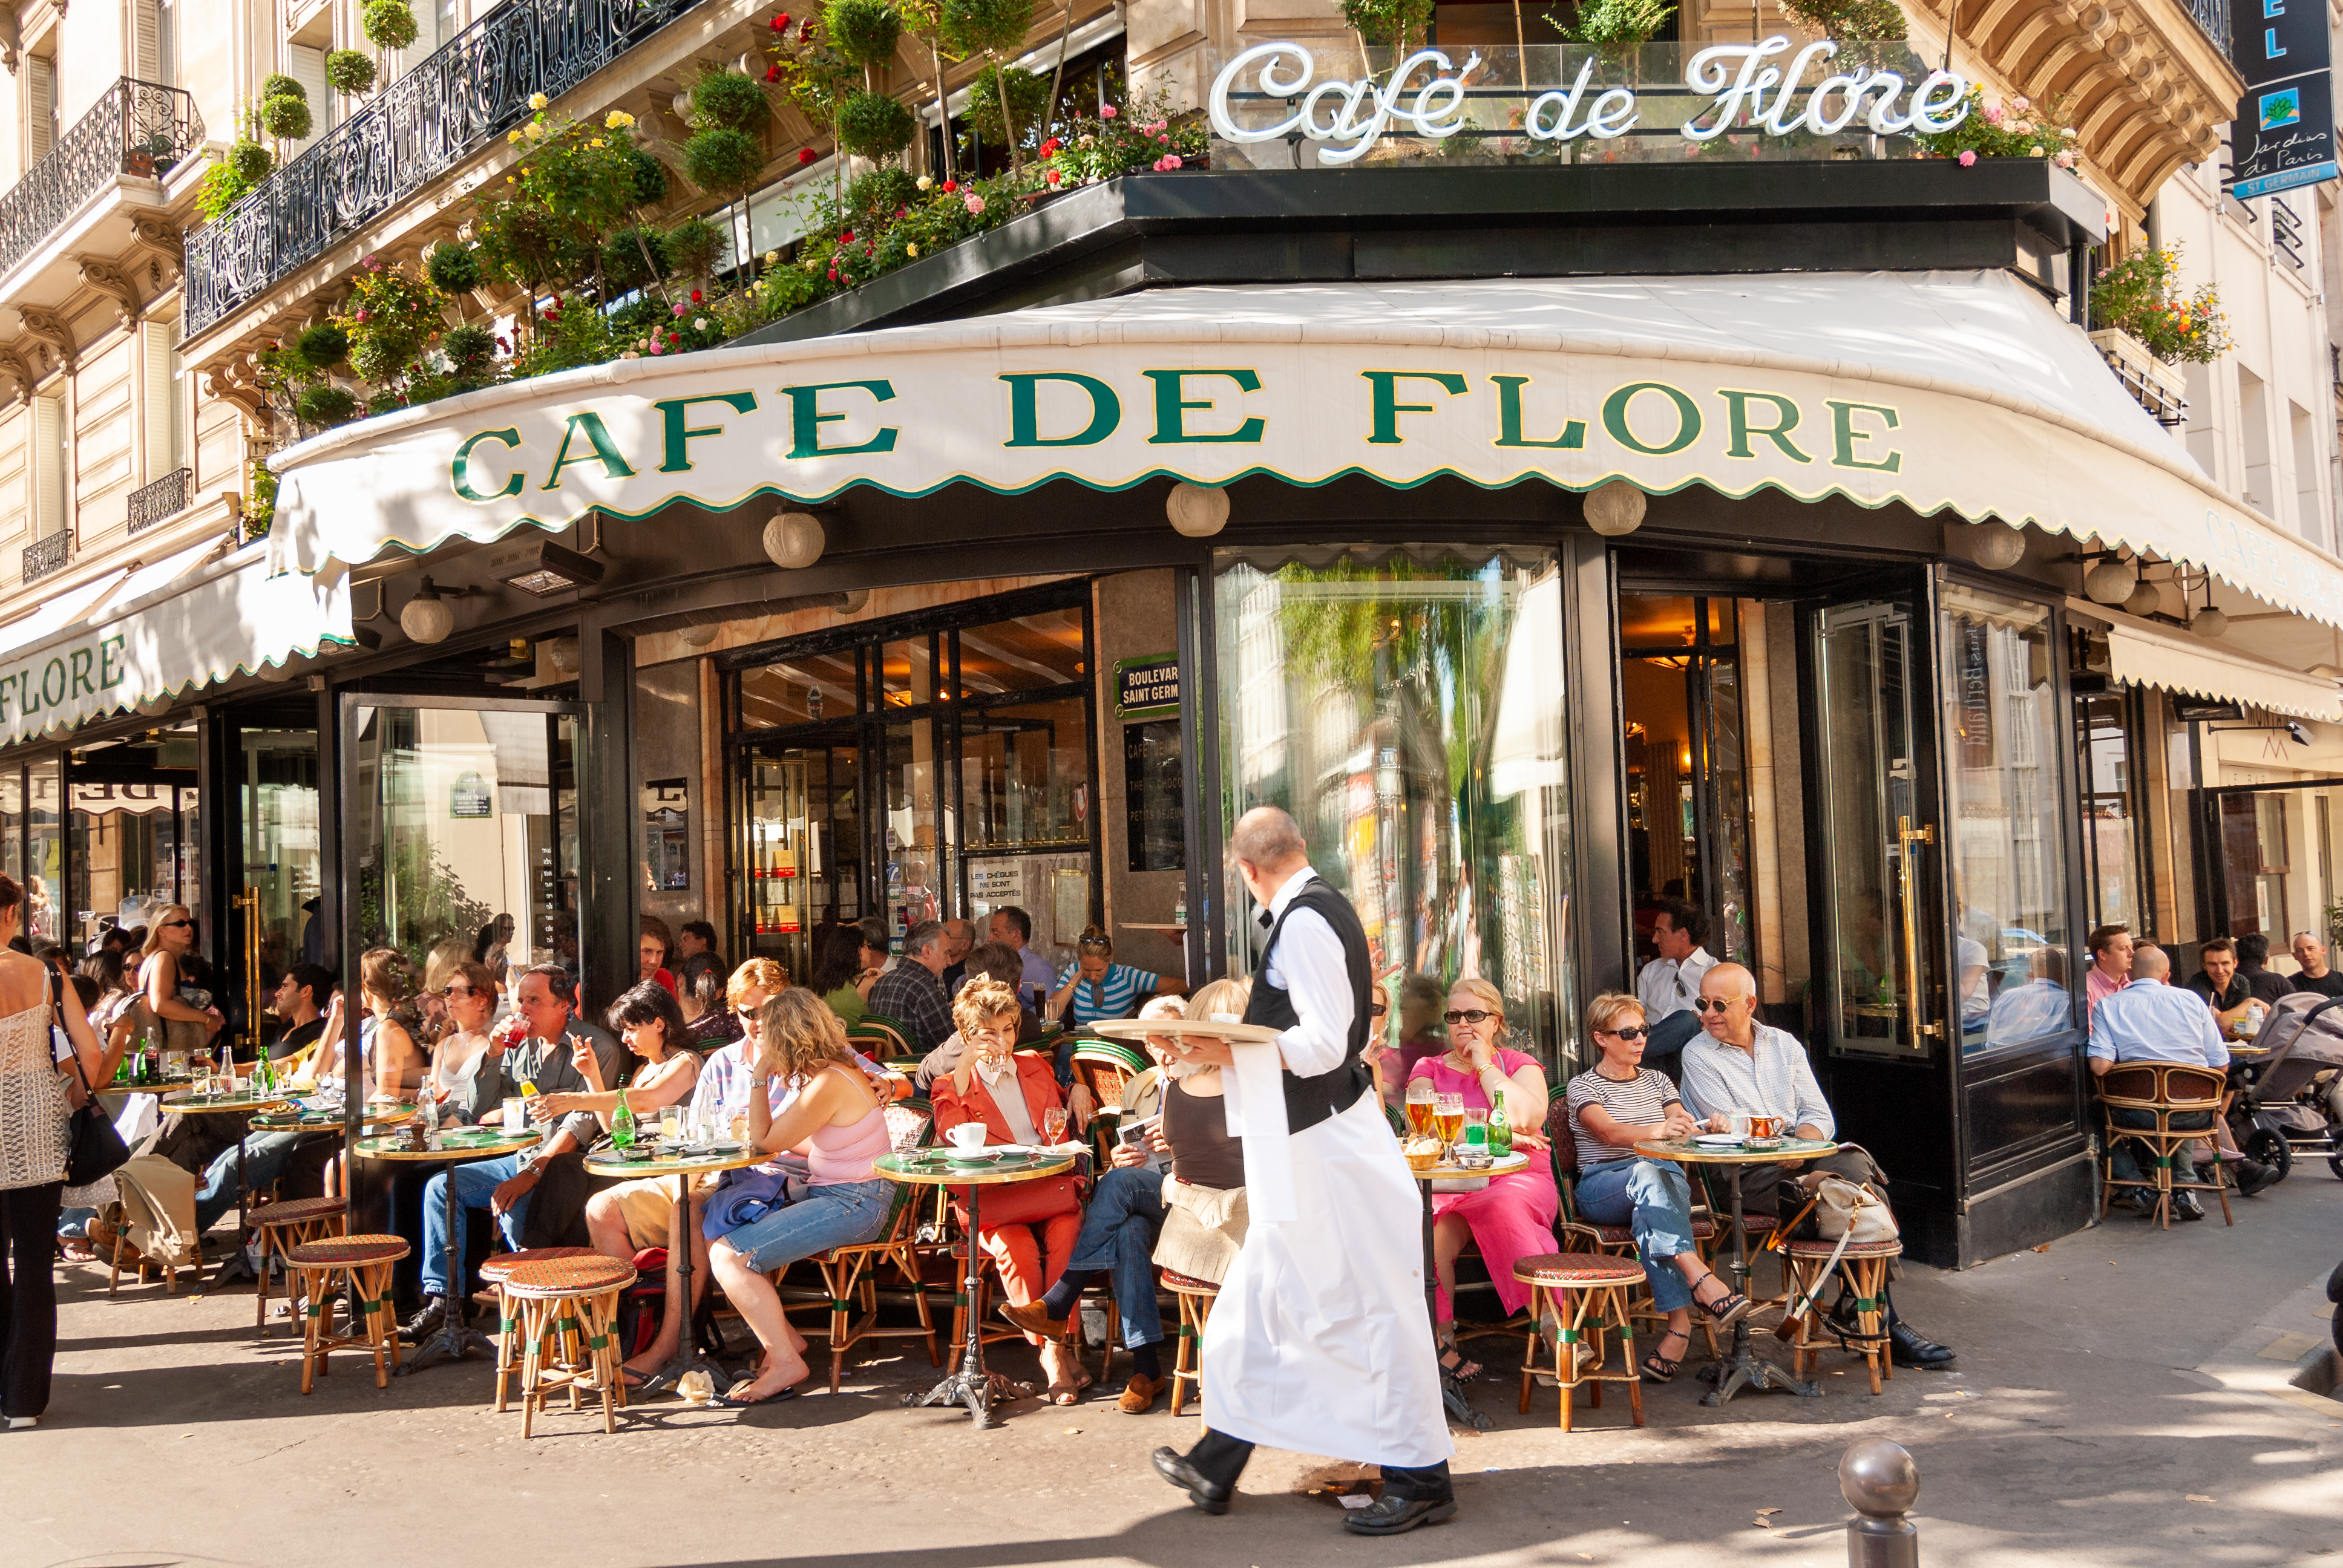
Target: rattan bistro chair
x: 2164, y: 1090
x: 283, y: 1225
x: 881, y: 1038
x: 850, y: 1273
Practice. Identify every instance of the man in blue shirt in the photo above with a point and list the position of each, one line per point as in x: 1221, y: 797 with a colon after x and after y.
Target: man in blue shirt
x: 2152, y: 1020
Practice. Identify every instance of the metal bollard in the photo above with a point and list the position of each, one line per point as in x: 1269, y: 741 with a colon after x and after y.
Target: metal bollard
x: 1880, y: 1483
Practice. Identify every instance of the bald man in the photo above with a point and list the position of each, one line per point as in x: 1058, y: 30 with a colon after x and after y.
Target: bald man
x: 1738, y: 1064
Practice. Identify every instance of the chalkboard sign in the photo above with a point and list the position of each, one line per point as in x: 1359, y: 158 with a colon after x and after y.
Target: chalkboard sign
x: 1147, y: 688
x: 1154, y: 815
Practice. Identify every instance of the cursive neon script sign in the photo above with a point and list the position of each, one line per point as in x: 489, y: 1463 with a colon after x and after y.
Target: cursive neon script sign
x: 1425, y: 96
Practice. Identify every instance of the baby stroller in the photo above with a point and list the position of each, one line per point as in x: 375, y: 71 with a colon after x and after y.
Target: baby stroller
x: 2292, y: 1101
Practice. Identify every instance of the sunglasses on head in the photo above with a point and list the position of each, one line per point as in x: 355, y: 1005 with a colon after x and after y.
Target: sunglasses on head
x: 1475, y: 1016
x: 1714, y: 1003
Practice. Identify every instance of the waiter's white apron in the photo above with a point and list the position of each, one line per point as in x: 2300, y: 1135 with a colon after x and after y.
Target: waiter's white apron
x: 1319, y: 1342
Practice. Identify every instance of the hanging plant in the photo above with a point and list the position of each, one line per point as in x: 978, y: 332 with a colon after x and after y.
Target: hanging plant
x: 874, y: 125
x: 285, y: 116
x: 326, y: 405
x: 350, y: 71
x: 865, y: 31
x: 322, y: 346
x: 452, y: 269
x: 722, y: 159
x: 389, y: 24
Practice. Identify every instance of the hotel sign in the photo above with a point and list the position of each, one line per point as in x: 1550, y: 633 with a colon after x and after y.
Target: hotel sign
x: 2284, y: 133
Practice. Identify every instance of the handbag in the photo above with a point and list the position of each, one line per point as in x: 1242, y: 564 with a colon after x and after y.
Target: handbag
x: 95, y: 1149
x: 1847, y: 1212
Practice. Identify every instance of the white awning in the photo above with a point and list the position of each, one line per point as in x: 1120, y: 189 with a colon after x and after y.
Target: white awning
x: 55, y: 614
x: 1962, y: 392
x: 2141, y: 657
x: 187, y: 622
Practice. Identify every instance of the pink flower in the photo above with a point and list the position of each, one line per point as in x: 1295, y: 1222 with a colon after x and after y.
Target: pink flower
x: 679, y: 310
x: 2064, y: 160
x: 1968, y: 159
x: 1108, y: 113
x: 362, y: 316
x: 1993, y: 114
x: 974, y: 203
x: 1167, y: 162
x: 2021, y: 103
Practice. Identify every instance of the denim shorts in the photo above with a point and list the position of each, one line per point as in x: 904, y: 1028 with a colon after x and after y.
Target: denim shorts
x: 814, y: 1220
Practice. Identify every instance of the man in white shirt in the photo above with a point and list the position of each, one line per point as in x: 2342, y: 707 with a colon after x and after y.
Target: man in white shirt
x: 1670, y: 982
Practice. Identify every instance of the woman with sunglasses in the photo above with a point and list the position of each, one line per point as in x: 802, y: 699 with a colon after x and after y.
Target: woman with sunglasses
x: 1510, y: 1217
x: 468, y: 993
x: 1615, y: 1105
x: 163, y: 983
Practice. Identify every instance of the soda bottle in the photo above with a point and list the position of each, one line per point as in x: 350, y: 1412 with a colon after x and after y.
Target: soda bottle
x: 1500, y: 1130
x: 622, y: 1124
x: 264, y: 1074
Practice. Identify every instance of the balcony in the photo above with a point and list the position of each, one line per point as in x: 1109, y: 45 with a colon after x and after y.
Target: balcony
x: 47, y: 554
x: 2213, y: 16
x: 167, y: 496
x: 420, y: 128
x: 136, y: 128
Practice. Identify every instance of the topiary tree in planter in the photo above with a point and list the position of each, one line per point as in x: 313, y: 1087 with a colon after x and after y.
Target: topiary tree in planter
x: 728, y: 113
x: 453, y: 269
x: 285, y: 115
x: 232, y: 179
x: 993, y: 29
x: 875, y: 125
x: 691, y: 247
x: 322, y: 346
x: 389, y: 25
x: 350, y: 72
x: 327, y: 405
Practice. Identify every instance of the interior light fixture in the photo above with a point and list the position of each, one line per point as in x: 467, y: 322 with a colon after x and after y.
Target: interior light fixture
x: 543, y: 568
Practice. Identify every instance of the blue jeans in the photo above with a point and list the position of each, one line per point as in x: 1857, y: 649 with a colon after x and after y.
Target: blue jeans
x: 1653, y: 1198
x: 443, y: 1256
x: 265, y: 1158
x: 814, y: 1220
x: 1118, y: 1236
x: 2125, y: 1155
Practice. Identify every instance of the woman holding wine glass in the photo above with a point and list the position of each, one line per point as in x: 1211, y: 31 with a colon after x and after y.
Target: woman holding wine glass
x: 1512, y: 1216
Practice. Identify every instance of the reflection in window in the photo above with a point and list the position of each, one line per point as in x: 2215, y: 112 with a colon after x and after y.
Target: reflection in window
x: 44, y: 886
x: 1025, y: 775
x: 1407, y: 708
x: 1021, y: 655
x: 801, y: 691
x: 2009, y: 845
x: 2114, y: 873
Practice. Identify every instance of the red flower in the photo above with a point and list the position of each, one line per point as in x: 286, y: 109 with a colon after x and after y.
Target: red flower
x: 845, y: 239
x: 806, y: 31
x: 781, y: 23
x: 772, y: 73
x: 1050, y: 148
x: 1053, y: 176
x: 694, y: 296
x: 950, y: 185
x: 805, y: 155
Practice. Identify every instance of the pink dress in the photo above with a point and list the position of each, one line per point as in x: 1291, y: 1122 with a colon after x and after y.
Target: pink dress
x: 1512, y: 1217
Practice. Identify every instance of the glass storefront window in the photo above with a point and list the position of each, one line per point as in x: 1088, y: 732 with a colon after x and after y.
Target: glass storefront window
x: 2114, y: 874
x: 45, y: 850
x: 1024, y: 654
x: 465, y: 819
x: 1024, y: 772
x: 1408, y: 707
x: 279, y: 820
x: 2003, y: 736
x: 12, y: 823
x: 803, y: 690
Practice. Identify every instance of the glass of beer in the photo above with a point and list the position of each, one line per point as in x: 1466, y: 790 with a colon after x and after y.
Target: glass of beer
x: 1420, y: 1094
x: 1448, y: 1117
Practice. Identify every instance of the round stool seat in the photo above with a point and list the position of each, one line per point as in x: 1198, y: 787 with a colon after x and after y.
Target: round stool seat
x: 1188, y: 1285
x: 1818, y: 1248
x: 1620, y: 1235
x: 496, y: 1269
x: 1576, y: 1270
x: 336, y: 1252
x: 299, y: 1210
x: 569, y: 1276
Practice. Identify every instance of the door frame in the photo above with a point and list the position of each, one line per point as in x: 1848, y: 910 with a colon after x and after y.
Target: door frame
x: 2203, y: 805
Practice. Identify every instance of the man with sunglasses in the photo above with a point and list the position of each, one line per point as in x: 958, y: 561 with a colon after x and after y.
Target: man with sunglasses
x: 1670, y: 982
x: 1736, y: 1064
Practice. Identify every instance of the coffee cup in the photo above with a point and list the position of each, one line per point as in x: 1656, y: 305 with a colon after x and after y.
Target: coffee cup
x: 1764, y: 1127
x: 967, y: 1135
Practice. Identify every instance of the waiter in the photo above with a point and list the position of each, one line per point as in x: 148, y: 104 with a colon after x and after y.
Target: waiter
x: 1319, y: 1342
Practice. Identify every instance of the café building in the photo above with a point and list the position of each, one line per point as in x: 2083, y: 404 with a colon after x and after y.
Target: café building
x: 1550, y: 537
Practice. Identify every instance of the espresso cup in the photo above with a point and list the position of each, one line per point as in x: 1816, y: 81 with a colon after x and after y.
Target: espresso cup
x: 967, y: 1135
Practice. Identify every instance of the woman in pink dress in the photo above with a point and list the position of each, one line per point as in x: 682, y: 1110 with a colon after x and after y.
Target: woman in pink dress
x: 1512, y: 1216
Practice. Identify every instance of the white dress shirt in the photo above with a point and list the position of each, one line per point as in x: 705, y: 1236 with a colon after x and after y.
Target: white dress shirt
x: 1009, y: 1096
x: 1308, y: 965
x: 1668, y: 985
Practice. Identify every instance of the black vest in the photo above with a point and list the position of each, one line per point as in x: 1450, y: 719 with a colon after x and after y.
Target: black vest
x: 1310, y: 1101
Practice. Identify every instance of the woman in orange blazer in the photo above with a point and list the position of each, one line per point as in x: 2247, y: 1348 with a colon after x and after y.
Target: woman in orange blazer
x: 1034, y: 1221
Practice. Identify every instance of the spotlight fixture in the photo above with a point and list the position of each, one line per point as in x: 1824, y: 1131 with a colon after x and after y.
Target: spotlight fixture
x: 543, y: 568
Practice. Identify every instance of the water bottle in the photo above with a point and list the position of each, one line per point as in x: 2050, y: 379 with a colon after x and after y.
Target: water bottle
x: 1500, y: 1130
x: 1179, y: 910
x: 427, y: 1113
x: 622, y: 1124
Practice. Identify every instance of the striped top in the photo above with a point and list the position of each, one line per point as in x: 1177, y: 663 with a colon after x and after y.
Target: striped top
x: 1640, y: 1102
x: 1113, y: 997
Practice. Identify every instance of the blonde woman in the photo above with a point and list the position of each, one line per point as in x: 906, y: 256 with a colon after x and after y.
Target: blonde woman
x: 469, y: 993
x: 162, y: 987
x: 398, y: 1062
x: 1512, y: 1216
x: 838, y: 1121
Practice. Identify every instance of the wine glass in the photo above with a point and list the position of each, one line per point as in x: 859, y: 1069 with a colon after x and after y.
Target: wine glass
x: 1053, y: 1124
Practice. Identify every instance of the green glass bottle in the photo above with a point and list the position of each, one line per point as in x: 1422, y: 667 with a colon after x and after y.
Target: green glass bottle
x: 622, y: 1124
x: 264, y: 1074
x: 1500, y: 1130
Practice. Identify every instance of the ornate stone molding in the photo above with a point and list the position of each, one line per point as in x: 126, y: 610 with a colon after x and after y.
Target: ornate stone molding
x: 21, y: 380
x: 109, y: 280
x: 47, y: 329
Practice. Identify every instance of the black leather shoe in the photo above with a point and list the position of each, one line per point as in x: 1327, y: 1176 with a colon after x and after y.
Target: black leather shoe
x: 425, y: 1321
x: 1172, y: 1466
x: 2253, y: 1177
x: 1392, y: 1516
x: 1909, y: 1350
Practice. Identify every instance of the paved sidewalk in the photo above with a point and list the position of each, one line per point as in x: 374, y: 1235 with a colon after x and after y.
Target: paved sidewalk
x: 2114, y: 1407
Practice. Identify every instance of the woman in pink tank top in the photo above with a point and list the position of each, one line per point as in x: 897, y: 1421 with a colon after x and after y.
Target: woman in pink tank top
x: 838, y: 1121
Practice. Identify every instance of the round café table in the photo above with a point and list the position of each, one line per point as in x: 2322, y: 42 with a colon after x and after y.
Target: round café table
x: 1451, y: 1388
x: 931, y: 1168
x: 454, y: 1339
x: 158, y: 1088
x: 1742, y: 1367
x: 243, y: 1102
x: 683, y: 1166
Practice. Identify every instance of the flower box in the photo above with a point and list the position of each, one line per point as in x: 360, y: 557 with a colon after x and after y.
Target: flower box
x: 2158, y: 387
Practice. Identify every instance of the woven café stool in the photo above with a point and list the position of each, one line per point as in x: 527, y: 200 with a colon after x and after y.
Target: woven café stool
x: 1863, y: 1272
x: 365, y: 1263
x: 280, y: 1226
x: 568, y: 1311
x: 1588, y: 1294
x: 492, y: 1274
x: 1195, y: 1298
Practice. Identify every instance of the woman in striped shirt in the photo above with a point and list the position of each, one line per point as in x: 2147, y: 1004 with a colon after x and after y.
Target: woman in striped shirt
x: 1614, y: 1106
x: 1095, y: 987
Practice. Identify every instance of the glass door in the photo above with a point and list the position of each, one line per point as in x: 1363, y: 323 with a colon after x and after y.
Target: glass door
x: 1876, y: 973
x: 802, y: 848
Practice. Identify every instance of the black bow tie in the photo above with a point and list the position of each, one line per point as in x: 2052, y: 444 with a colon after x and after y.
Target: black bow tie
x: 1267, y: 921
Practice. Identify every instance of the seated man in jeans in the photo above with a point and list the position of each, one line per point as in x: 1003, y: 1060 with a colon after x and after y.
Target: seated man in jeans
x: 2152, y: 1020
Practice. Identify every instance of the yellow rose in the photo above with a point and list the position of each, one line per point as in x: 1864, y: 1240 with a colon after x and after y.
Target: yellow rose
x: 538, y: 100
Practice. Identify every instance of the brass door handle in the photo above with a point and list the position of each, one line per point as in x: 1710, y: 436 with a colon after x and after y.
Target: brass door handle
x: 1907, y: 836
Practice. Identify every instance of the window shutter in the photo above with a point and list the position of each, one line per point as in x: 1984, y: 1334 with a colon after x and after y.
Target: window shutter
x: 147, y: 64
x: 48, y: 467
x: 307, y: 66
x: 40, y: 89
x: 156, y: 393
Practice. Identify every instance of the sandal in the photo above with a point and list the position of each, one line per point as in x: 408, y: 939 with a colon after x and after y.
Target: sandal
x: 1657, y: 1368
x: 1725, y: 1309
x: 1454, y: 1363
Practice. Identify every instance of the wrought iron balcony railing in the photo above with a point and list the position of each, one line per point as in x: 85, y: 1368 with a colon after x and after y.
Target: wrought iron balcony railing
x: 150, y: 504
x: 419, y: 128
x: 133, y: 128
x: 2213, y: 16
x: 47, y: 554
